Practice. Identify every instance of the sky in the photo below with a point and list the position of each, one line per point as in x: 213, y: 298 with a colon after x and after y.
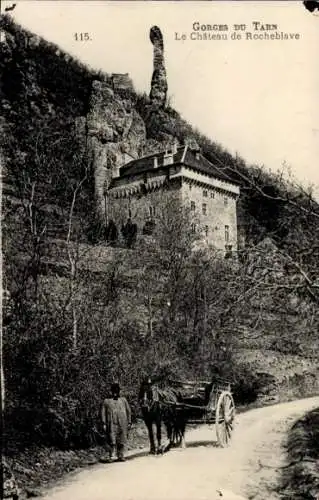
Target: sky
x: 257, y: 98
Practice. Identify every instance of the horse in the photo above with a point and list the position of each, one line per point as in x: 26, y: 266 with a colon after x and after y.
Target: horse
x: 173, y: 405
x: 160, y: 406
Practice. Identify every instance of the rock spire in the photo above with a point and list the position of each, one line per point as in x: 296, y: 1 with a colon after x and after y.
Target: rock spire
x: 159, y: 82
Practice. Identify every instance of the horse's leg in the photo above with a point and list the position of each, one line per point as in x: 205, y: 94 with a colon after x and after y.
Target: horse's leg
x: 183, y: 442
x: 176, y: 429
x: 182, y: 430
x: 152, y: 439
x: 149, y: 425
x: 159, y: 433
x: 169, y: 430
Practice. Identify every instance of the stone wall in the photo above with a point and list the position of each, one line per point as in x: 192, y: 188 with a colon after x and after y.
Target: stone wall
x: 143, y: 207
x: 220, y: 212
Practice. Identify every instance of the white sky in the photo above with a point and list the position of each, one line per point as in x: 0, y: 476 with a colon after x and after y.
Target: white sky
x: 257, y: 98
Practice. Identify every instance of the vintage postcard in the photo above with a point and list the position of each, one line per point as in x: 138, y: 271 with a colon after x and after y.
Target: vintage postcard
x: 160, y: 255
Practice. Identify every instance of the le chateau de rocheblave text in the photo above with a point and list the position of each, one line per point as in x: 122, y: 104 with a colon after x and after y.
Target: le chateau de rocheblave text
x: 255, y: 31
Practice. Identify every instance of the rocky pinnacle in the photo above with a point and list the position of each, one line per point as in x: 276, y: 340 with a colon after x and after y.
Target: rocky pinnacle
x: 159, y: 83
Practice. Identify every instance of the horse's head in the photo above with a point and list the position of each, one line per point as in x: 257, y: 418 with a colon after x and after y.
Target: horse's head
x: 147, y: 394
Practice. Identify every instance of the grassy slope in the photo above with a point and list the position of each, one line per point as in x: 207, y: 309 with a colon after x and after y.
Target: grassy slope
x: 300, y: 480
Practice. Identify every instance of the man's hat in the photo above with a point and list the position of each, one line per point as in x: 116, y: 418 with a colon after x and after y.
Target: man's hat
x: 115, y: 387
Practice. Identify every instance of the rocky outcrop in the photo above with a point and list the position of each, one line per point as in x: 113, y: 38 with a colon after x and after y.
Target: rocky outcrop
x: 159, y: 82
x: 115, y: 134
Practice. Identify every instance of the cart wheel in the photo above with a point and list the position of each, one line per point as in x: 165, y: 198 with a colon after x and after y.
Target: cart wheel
x: 224, y: 420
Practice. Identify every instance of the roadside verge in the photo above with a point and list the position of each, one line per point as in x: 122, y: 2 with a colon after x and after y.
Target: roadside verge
x: 300, y: 478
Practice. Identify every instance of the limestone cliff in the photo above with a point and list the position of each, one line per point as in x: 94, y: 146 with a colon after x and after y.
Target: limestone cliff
x: 114, y: 131
x: 115, y: 134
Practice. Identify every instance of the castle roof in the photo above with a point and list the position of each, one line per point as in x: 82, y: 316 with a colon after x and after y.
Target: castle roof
x: 183, y: 155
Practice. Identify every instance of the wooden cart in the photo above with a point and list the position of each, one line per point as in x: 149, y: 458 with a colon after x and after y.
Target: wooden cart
x: 219, y: 410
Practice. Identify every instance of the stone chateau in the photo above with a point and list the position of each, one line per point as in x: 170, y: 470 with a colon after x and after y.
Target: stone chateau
x: 137, y: 175
x: 144, y: 186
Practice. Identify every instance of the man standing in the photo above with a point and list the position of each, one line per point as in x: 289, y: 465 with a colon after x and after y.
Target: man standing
x: 116, y: 418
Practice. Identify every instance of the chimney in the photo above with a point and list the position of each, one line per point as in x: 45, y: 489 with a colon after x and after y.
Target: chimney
x: 197, y: 153
x: 168, y: 157
x: 113, y: 167
x: 115, y: 172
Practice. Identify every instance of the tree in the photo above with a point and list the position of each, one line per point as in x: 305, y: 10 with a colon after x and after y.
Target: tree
x: 129, y: 232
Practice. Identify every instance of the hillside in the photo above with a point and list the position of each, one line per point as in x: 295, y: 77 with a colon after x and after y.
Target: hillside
x: 45, y: 94
x: 81, y: 313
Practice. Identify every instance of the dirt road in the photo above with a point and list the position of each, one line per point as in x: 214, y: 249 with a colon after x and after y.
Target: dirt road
x: 249, y: 467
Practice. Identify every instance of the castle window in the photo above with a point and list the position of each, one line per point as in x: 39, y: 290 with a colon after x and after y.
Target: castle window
x: 204, y: 209
x: 193, y: 228
x: 193, y: 206
x: 206, y: 230
x: 212, y: 195
x: 129, y: 213
x: 227, y: 234
x: 205, y: 194
x: 152, y: 211
x: 225, y: 201
x: 109, y: 164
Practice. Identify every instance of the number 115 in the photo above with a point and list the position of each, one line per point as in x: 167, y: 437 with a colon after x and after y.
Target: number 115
x: 82, y: 37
